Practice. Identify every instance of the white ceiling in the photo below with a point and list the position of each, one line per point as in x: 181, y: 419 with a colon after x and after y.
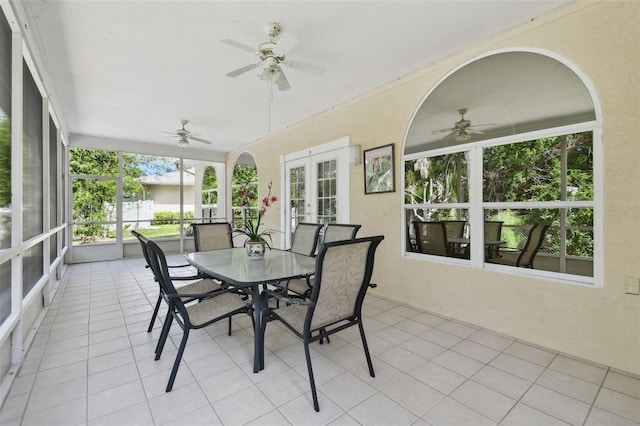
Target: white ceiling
x: 131, y: 70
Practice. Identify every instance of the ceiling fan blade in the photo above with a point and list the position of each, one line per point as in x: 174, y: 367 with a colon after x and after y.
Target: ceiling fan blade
x: 238, y: 45
x: 450, y: 129
x: 480, y: 125
x: 285, y: 43
x: 242, y: 70
x: 199, y: 139
x: 304, y: 66
x: 282, y: 82
x: 475, y: 132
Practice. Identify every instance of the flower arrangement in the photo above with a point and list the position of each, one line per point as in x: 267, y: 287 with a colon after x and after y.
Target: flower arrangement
x: 251, y: 226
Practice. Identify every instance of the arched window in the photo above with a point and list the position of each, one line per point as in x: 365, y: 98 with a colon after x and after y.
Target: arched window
x: 503, y: 143
x: 244, y: 181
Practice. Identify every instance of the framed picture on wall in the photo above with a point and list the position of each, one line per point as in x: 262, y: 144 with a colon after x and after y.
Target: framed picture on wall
x: 379, y: 170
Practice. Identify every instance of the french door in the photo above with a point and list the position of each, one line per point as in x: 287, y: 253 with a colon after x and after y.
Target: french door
x: 316, y: 188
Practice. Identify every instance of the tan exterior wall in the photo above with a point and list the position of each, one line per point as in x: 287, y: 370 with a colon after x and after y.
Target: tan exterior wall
x: 602, y: 38
x: 167, y: 197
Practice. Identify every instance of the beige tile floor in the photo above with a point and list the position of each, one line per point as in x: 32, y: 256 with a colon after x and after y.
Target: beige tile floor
x: 92, y: 363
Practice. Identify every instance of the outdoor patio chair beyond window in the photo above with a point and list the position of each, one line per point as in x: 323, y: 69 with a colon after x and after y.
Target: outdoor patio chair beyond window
x: 343, y: 274
x: 525, y: 259
x: 455, y: 228
x: 202, y: 283
x: 492, y: 231
x: 431, y: 238
x: 204, y: 309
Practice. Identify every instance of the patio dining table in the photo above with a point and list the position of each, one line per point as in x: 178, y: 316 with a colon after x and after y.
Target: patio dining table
x: 487, y: 243
x: 236, y: 268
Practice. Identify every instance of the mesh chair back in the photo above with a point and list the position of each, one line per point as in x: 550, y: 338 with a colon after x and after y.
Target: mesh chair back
x: 305, y: 238
x: 340, y: 232
x: 143, y: 243
x: 492, y: 230
x: 431, y: 238
x: 534, y: 241
x: 158, y: 264
x: 455, y: 228
x: 343, y: 274
x: 212, y: 236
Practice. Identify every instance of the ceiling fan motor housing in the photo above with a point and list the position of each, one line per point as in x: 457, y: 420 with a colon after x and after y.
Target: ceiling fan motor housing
x: 273, y: 29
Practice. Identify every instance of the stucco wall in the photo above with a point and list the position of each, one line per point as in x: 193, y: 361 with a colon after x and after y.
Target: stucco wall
x: 600, y: 324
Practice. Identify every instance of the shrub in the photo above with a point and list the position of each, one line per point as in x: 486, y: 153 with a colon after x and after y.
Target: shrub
x: 169, y: 218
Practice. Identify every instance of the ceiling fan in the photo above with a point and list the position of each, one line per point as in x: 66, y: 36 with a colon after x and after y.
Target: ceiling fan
x: 462, y: 129
x: 184, y: 135
x: 272, y: 55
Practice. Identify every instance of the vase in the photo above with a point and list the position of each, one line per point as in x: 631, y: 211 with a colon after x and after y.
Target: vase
x: 255, y: 249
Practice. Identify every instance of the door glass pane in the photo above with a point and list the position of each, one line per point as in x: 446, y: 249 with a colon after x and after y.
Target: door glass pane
x: 297, y: 179
x: 32, y: 158
x: 5, y: 134
x: 327, y: 194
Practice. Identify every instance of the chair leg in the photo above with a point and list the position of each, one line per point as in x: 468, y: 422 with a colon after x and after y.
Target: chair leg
x: 229, y: 326
x: 176, y: 363
x: 366, y: 349
x: 163, y: 336
x: 155, y: 314
x: 312, y: 382
x: 323, y: 330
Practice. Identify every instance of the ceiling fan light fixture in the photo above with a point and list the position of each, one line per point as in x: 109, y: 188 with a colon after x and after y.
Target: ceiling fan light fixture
x: 183, y: 142
x: 463, y: 136
x: 271, y: 74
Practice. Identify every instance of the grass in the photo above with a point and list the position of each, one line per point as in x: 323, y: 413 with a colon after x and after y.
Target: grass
x: 159, y: 231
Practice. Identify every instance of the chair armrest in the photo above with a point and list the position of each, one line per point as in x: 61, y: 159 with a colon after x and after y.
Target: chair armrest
x: 179, y: 266
x: 192, y: 296
x: 190, y: 277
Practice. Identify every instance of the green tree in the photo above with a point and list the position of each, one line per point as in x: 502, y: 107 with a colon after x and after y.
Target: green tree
x: 244, y: 193
x: 209, y: 182
x: 91, y: 196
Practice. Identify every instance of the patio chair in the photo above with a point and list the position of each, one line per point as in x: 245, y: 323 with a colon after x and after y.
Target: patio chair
x: 340, y: 231
x: 333, y: 232
x: 343, y: 274
x: 431, y: 238
x: 535, y: 238
x: 305, y: 238
x: 305, y: 241
x: 492, y: 231
x: 455, y: 228
x: 191, y: 311
x: 203, y: 284
x: 212, y: 236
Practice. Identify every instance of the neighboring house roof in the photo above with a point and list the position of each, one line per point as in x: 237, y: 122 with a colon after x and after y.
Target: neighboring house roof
x: 170, y: 178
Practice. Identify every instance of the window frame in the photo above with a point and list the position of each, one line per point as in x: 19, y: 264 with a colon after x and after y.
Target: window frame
x: 476, y: 205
